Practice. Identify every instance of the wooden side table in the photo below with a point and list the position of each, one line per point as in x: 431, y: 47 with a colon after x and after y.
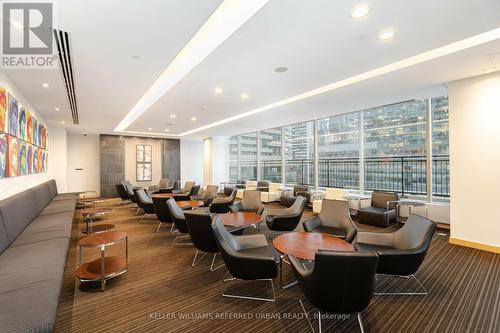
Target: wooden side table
x: 104, y: 268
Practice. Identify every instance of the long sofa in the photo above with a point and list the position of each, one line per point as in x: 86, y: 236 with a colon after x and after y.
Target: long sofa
x: 35, y: 232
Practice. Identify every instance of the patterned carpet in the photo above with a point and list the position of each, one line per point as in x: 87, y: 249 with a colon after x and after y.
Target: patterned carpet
x: 161, y: 292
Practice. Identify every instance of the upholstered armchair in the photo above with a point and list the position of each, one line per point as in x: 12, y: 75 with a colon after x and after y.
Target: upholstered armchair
x: 286, y: 219
x: 381, y: 212
x: 186, y: 189
x: 250, y: 203
x: 223, y: 204
x: 330, y: 194
x: 402, y: 252
x: 302, y: 190
x: 273, y: 193
x: 334, y: 219
x: 206, y: 195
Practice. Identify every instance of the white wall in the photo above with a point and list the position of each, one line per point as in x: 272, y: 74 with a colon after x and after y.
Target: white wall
x: 131, y: 160
x: 58, y: 157
x: 475, y: 159
x: 83, y: 153
x: 12, y: 185
x: 192, y: 161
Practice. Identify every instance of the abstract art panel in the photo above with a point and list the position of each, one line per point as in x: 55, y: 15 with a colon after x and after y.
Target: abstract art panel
x: 144, y: 172
x: 39, y: 135
x: 13, y: 157
x: 3, y: 110
x: 44, y: 137
x: 39, y: 166
x: 35, y: 131
x: 22, y: 123
x: 29, y: 159
x: 29, y: 127
x: 23, y: 165
x: 45, y: 156
x: 13, y: 113
x: 35, y: 159
x: 3, y: 155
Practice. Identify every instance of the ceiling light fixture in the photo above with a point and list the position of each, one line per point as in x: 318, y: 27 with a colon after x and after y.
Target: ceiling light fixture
x: 45, y: 85
x: 244, y: 97
x: 150, y: 128
x: 448, y: 49
x: 193, y: 118
x: 173, y: 116
x: 387, y: 34
x: 490, y: 69
x: 360, y: 11
x: 281, y: 69
x: 62, y: 122
x: 218, y: 90
x: 225, y: 20
x: 166, y: 130
x: 57, y: 109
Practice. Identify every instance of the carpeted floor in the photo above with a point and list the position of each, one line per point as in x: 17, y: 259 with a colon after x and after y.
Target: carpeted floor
x: 161, y: 292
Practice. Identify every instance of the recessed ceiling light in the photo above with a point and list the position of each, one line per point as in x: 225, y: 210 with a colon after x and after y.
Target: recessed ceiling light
x: 387, y: 34
x: 224, y: 22
x: 360, y: 11
x: 167, y: 130
x: 136, y: 57
x: 62, y: 122
x: 244, y: 97
x: 57, y: 109
x: 218, y: 90
x: 490, y: 69
x: 173, y: 116
x: 150, y: 128
x: 281, y: 69
x: 45, y: 85
x: 193, y: 118
x: 417, y: 59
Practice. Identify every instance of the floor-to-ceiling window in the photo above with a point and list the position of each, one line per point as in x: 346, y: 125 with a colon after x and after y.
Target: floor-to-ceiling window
x: 440, y: 147
x: 270, y: 155
x: 338, y: 151
x: 233, y: 159
x: 394, y: 147
x: 248, y: 156
x: 299, y: 153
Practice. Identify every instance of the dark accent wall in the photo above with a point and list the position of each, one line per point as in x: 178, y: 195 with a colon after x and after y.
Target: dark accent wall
x: 112, y: 157
x: 171, y: 159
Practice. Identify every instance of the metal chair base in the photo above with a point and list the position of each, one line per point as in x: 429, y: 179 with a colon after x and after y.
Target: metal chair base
x: 421, y: 293
x: 179, y: 235
x: 211, y: 269
x: 360, y: 321
x: 225, y: 294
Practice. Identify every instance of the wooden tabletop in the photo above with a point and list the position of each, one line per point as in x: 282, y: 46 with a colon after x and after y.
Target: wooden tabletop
x: 102, y: 239
x: 240, y: 219
x: 303, y: 245
x: 189, y: 203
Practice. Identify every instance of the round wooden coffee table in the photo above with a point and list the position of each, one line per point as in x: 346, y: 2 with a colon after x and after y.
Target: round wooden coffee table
x: 240, y: 219
x: 304, y: 245
x: 189, y: 204
x: 104, y: 268
x: 89, y: 217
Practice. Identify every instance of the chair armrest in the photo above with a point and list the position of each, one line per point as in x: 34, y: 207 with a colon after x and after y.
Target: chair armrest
x: 261, y: 209
x: 311, y: 224
x: 251, y: 241
x: 235, y: 207
x: 298, y: 267
x: 375, y: 238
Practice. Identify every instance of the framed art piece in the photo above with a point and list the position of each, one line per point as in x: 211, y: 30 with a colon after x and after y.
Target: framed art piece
x: 22, y: 123
x: 3, y: 110
x: 13, y: 115
x: 23, y: 165
x: 3, y: 155
x: 29, y: 159
x: 13, y: 156
x: 144, y: 163
x: 29, y: 127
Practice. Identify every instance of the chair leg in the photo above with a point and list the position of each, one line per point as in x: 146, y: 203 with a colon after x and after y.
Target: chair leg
x: 159, y: 226
x: 421, y: 293
x: 172, y: 228
x: 361, y: 327
x: 196, y: 255
x: 212, y: 269
x: 225, y: 294
x: 360, y: 322
x: 179, y: 235
x: 307, y: 315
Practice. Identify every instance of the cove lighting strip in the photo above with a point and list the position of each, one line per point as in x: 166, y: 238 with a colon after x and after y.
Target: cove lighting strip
x: 448, y: 49
x: 227, y: 18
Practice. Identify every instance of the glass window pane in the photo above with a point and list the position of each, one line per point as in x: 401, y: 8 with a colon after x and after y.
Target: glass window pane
x: 440, y: 147
x: 394, y: 142
x: 299, y: 153
x: 248, y: 156
x: 338, y: 151
x: 270, y: 155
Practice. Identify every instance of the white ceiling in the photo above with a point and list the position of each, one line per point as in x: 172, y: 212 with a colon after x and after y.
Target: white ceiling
x: 317, y: 41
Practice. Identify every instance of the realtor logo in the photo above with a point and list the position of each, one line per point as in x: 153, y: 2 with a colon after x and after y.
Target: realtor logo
x: 27, y: 35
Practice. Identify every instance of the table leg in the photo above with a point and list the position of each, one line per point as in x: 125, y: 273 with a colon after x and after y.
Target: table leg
x: 103, y: 270
x: 288, y: 285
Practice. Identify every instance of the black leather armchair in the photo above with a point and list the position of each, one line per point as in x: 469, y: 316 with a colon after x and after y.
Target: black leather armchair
x: 298, y: 190
x: 199, y: 224
x: 382, y: 211
x: 263, y: 186
x: 223, y: 204
x: 179, y: 221
x: 228, y: 187
x: 122, y: 192
x: 206, y: 195
x: 161, y: 210
x: 286, y: 219
x: 130, y: 191
x: 186, y: 189
x: 402, y: 252
x: 144, y: 201
x: 246, y: 257
x: 337, y: 282
x: 333, y: 219
x: 250, y: 203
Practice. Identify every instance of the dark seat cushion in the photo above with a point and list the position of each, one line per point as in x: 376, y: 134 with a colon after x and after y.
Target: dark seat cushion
x: 364, y: 247
x: 46, y: 227
x: 376, y: 216
x: 17, y: 212
x: 337, y: 232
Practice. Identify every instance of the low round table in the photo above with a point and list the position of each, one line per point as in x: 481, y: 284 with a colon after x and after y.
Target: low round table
x: 240, y: 219
x: 189, y: 204
x: 304, y: 245
x: 104, y: 268
x: 90, y: 216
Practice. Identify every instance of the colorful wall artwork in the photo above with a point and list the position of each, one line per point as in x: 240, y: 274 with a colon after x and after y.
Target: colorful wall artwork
x: 23, y: 139
x: 3, y: 110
